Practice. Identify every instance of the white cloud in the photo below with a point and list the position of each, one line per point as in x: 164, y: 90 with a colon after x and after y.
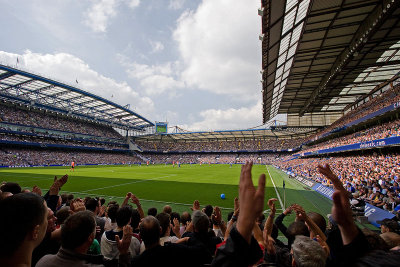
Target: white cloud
x: 217, y: 119
x: 154, y: 79
x: 99, y: 13
x: 176, y: 4
x: 68, y: 68
x: 220, y: 49
x: 133, y: 3
x: 156, y: 46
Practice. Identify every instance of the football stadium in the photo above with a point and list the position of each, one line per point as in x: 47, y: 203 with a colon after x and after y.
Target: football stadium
x: 121, y: 189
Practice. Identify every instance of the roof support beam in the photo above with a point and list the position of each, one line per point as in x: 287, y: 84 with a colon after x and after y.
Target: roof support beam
x: 18, y: 85
x: 37, y: 91
x: 364, y: 32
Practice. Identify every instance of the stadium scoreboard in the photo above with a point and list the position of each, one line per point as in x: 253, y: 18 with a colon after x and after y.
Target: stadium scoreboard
x: 161, y: 127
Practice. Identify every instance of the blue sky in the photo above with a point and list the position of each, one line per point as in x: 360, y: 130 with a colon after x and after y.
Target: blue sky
x: 193, y: 63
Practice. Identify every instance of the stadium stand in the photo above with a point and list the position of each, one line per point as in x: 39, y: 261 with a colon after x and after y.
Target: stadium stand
x: 33, y: 118
x: 213, y: 158
x: 45, y: 122
x: 26, y: 157
x: 271, y: 144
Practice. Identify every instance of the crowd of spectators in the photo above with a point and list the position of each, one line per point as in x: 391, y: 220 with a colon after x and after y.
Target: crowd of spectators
x: 48, y: 120
x: 382, y: 131
x: 221, y: 145
x: 61, y: 141
x: 387, y: 98
x: 374, y: 178
x: 57, y: 229
x: 19, y: 157
x: 211, y: 158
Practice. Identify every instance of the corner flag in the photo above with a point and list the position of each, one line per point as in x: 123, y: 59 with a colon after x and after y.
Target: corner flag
x: 283, y: 184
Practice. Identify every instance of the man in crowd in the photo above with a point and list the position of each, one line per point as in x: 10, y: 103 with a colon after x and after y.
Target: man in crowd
x: 389, y: 225
x: 77, y: 235
x: 109, y: 245
x: 23, y: 226
x: 171, y: 254
x: 50, y: 243
x: 93, y: 205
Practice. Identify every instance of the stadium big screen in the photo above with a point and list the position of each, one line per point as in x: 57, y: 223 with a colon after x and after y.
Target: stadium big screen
x: 161, y: 127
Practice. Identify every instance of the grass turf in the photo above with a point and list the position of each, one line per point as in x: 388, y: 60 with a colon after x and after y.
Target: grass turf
x: 158, y: 185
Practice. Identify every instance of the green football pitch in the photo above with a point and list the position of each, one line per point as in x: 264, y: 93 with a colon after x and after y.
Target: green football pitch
x: 158, y: 185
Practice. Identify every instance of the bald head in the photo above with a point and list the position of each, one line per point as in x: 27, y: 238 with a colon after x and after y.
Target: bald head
x: 150, y: 231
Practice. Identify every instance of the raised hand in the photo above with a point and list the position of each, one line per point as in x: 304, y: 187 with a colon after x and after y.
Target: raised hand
x: 135, y: 200
x: 288, y: 210
x: 57, y: 184
x: 236, y: 206
x: 189, y: 227
x: 216, y: 216
x: 36, y: 189
x: 312, y: 226
x: 270, y: 220
x: 271, y: 205
x: 341, y: 210
x: 251, y: 201
x: 299, y: 210
x: 176, y: 227
x: 63, y: 180
x: 102, y: 210
x: 123, y: 245
x: 77, y: 205
x: 328, y: 173
x: 196, y: 205
x: 126, y: 199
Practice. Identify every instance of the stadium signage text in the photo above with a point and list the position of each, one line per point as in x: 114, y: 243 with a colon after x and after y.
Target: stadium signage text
x: 394, y: 140
x: 373, y: 144
x: 304, y: 181
x: 375, y: 214
x: 323, y: 190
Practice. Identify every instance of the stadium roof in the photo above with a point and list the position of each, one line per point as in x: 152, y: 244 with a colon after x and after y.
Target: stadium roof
x: 26, y: 88
x: 321, y: 56
x: 272, y: 132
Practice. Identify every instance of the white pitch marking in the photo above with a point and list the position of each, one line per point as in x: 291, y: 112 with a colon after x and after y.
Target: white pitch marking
x: 276, y: 191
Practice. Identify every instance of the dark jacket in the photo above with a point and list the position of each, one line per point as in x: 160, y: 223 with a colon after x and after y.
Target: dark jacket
x: 174, y: 255
x: 209, y: 242
x: 47, y: 246
x: 237, y: 252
